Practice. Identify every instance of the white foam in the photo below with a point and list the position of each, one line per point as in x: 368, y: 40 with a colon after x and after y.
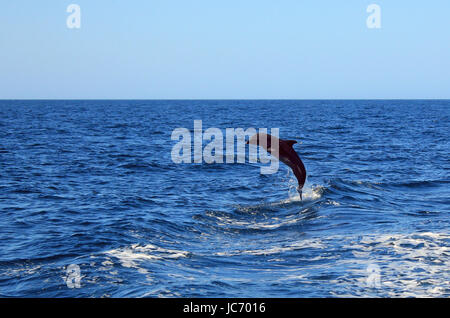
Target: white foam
x: 132, y: 255
x: 271, y: 223
x: 308, y: 243
x: 411, y: 265
x: 309, y: 192
x: 416, y: 265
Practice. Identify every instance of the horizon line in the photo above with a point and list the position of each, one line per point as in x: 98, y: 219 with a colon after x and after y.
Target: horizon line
x: 211, y: 99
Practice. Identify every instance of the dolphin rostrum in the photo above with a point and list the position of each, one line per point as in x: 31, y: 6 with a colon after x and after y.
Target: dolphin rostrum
x: 285, y: 153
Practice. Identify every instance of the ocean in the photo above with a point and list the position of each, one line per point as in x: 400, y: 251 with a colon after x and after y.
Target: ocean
x: 92, y: 204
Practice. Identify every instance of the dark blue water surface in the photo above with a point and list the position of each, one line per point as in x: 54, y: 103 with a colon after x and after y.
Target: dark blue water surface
x: 92, y: 183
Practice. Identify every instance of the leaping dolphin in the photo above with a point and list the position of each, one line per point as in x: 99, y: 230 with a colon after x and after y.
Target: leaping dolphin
x: 286, y: 154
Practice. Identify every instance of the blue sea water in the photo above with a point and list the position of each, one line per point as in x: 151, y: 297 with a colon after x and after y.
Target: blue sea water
x: 92, y: 183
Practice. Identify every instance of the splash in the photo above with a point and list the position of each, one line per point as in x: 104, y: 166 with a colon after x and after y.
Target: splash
x: 309, y: 192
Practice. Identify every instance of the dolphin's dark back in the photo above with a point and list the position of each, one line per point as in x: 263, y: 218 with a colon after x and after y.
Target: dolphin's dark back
x: 286, y: 154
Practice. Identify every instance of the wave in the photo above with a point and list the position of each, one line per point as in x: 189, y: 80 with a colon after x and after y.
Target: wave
x: 143, y: 166
x: 131, y: 256
x: 409, y: 265
x: 232, y: 222
x: 413, y: 264
x: 419, y: 184
x: 304, y: 244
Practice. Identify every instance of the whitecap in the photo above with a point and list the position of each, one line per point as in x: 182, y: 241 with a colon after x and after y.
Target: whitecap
x: 130, y: 256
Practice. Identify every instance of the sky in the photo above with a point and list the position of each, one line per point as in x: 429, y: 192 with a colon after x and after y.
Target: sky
x: 217, y: 49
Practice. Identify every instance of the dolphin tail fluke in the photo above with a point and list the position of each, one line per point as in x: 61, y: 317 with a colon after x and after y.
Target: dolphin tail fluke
x: 300, y: 192
x: 300, y: 174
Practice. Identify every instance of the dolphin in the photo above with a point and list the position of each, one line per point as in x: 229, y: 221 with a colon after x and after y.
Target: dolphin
x: 286, y: 154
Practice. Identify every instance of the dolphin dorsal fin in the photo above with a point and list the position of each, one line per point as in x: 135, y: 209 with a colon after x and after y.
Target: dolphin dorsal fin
x: 290, y: 142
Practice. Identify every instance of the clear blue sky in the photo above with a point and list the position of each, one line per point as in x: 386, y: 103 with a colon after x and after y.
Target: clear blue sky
x: 177, y: 49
